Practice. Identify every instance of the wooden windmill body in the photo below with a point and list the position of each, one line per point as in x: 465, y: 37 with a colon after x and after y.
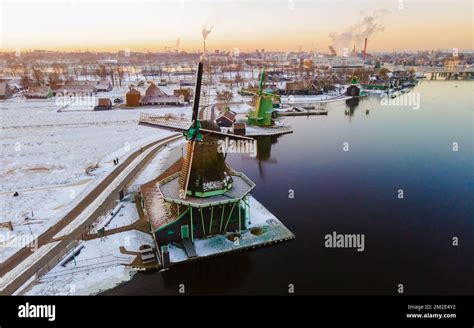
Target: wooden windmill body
x: 201, y: 193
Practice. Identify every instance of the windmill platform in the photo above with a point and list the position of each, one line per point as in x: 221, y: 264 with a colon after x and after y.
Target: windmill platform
x: 262, y: 227
x: 265, y: 230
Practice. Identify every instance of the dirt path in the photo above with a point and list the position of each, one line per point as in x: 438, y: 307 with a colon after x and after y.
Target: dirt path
x: 47, y: 236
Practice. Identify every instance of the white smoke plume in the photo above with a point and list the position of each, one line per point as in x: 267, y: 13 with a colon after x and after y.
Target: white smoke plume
x: 368, y: 27
x: 206, y: 31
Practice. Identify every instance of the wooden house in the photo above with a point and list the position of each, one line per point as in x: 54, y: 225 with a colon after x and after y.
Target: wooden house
x: 103, y: 86
x: 186, y: 93
x: 353, y: 91
x: 226, y: 119
x: 39, y: 93
x: 5, y: 91
x: 80, y: 88
x: 104, y: 104
x: 239, y: 128
x: 133, y: 98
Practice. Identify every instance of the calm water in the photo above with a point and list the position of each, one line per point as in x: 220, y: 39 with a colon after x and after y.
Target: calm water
x: 407, y: 241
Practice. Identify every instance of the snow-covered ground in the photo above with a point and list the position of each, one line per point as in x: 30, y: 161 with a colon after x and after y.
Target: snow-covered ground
x: 162, y: 160
x: 99, y: 266
x: 44, y: 154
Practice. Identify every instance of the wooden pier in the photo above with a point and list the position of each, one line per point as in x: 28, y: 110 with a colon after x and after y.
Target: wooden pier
x: 302, y: 111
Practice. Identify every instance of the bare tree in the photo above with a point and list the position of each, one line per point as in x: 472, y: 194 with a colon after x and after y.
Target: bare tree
x: 38, y: 74
x: 120, y: 73
x: 53, y: 80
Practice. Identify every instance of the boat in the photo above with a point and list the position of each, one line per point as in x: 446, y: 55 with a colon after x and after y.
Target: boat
x: 420, y: 75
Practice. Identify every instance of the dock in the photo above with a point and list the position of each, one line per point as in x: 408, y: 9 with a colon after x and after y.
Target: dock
x: 303, y: 111
x: 254, y: 131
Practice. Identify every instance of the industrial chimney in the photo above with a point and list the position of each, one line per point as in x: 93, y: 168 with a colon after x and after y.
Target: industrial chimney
x: 365, y: 49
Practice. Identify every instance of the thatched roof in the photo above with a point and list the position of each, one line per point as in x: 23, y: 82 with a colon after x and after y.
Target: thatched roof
x: 154, y: 91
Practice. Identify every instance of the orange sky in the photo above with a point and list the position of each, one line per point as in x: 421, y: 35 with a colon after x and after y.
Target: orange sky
x: 269, y: 24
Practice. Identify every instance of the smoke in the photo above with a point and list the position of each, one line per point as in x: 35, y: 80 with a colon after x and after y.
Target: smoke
x: 367, y: 27
x: 206, y: 31
x: 178, y: 41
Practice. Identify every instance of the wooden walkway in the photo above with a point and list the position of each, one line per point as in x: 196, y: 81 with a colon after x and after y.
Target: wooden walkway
x: 189, y: 248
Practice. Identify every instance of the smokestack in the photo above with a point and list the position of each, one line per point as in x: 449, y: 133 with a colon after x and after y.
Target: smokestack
x: 365, y: 49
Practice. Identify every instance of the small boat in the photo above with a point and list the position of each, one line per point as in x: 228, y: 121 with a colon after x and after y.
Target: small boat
x: 394, y: 94
x: 420, y: 75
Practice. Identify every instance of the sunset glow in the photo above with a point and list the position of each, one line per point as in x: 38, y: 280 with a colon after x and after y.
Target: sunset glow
x: 156, y: 25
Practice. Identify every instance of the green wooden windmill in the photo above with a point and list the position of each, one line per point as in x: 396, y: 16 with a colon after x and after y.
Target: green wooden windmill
x: 262, y: 114
x: 203, y: 194
x: 204, y: 172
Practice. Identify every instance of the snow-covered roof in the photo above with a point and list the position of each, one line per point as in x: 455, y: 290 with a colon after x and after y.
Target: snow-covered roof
x: 241, y: 186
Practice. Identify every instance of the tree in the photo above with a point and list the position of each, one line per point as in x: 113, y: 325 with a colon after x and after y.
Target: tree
x: 25, y: 81
x: 120, y: 74
x: 53, y: 80
x: 225, y: 96
x: 38, y: 75
x: 101, y: 72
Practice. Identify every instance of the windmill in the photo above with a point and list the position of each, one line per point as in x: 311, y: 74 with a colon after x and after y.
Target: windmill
x: 262, y: 115
x: 204, y: 172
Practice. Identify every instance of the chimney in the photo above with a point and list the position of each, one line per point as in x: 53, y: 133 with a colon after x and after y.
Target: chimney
x: 365, y: 48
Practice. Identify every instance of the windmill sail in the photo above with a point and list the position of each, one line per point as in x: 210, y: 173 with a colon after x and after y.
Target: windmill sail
x: 186, y: 168
x: 204, y: 171
x: 164, y: 122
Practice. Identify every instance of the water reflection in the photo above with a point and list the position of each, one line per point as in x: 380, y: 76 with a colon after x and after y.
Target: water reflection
x: 264, y: 151
x: 352, y: 104
x: 209, y: 276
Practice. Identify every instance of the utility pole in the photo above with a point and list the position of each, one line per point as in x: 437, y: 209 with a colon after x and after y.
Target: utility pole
x: 28, y: 224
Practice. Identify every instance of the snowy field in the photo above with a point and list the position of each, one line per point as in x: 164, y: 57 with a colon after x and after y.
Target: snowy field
x: 44, y: 154
x: 99, y: 266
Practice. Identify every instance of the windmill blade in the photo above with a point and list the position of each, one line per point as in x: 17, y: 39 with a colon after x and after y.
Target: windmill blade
x: 270, y: 94
x: 224, y: 135
x: 249, y: 92
x: 186, y: 168
x: 163, y: 123
x: 262, y: 80
x: 197, y: 91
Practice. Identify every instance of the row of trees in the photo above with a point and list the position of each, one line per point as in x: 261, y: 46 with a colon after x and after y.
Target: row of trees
x: 55, y: 74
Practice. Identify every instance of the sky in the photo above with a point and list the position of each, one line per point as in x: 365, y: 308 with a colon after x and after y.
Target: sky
x: 154, y: 25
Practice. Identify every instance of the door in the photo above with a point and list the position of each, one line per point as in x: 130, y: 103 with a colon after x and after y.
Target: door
x: 184, y: 231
